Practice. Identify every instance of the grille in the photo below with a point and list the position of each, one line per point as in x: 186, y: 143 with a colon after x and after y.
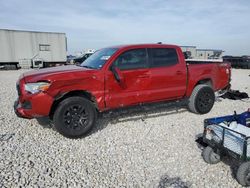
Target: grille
x: 18, y: 89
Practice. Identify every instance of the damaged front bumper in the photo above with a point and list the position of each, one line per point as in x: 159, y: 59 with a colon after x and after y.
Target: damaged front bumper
x: 31, y: 105
x: 19, y: 111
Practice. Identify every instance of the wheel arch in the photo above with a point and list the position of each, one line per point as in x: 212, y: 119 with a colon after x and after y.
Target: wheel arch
x: 206, y: 81
x: 192, y: 85
x: 81, y: 93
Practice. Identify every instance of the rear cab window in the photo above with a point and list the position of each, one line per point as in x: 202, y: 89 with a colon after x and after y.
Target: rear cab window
x: 132, y: 59
x: 162, y: 57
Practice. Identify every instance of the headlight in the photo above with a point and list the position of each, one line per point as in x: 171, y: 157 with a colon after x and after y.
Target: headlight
x: 36, y: 87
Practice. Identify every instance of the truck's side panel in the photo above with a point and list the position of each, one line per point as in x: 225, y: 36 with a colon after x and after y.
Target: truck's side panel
x: 155, y: 83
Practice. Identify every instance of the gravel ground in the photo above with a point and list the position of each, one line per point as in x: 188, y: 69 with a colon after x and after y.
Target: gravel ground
x: 148, y: 146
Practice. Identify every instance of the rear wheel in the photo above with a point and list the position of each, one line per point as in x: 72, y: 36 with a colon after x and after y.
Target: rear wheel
x: 243, y: 174
x: 74, y: 117
x: 210, y: 156
x: 202, y: 99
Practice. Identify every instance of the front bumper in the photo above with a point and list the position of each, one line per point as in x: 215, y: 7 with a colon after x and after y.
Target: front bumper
x: 32, y: 105
x: 19, y: 111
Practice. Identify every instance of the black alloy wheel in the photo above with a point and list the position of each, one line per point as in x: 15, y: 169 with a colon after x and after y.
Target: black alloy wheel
x: 74, y: 117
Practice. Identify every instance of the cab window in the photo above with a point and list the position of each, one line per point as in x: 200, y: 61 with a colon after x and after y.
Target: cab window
x: 161, y: 57
x: 132, y: 59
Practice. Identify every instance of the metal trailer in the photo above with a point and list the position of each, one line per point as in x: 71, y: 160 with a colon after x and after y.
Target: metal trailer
x: 222, y: 141
x: 31, y: 49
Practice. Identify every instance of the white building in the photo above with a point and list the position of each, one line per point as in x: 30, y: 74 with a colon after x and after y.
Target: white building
x: 209, y: 54
x: 202, y: 53
x: 191, y: 50
x: 32, y: 48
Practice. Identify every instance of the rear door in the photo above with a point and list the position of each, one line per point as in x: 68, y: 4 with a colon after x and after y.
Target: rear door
x: 168, y: 74
x: 134, y: 67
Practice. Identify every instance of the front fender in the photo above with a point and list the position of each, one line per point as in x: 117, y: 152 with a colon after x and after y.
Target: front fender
x: 92, y: 89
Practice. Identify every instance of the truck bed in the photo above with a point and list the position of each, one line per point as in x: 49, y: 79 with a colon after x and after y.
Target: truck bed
x: 216, y: 72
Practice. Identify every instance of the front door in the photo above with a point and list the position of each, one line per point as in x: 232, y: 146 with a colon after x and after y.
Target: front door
x: 133, y: 65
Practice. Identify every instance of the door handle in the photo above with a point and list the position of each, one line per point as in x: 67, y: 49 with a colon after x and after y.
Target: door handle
x: 178, y: 72
x: 143, y: 76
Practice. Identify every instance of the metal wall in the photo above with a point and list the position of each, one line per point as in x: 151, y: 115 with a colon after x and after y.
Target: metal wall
x: 202, y: 53
x: 191, y: 49
x: 209, y: 54
x: 18, y: 45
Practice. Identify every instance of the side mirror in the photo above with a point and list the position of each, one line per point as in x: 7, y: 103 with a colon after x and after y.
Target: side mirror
x: 115, y: 72
x: 118, y: 75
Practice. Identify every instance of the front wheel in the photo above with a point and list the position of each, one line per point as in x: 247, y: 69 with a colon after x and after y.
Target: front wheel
x: 243, y: 174
x: 74, y: 117
x: 202, y: 99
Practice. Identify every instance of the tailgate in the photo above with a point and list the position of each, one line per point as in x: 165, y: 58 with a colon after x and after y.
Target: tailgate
x: 224, y: 74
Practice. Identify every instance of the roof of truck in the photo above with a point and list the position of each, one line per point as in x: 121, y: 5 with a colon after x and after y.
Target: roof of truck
x: 144, y: 45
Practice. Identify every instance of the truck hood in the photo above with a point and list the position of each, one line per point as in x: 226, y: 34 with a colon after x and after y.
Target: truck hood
x: 57, y: 73
x: 51, y: 70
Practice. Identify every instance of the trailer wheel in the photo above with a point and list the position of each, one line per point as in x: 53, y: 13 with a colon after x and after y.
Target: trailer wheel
x: 202, y: 99
x: 74, y: 117
x: 243, y: 174
x: 210, y: 156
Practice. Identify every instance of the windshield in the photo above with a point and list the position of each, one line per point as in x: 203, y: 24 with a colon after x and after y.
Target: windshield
x: 97, y: 60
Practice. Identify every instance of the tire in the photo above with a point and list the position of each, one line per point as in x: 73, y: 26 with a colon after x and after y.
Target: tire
x: 210, y: 156
x: 202, y: 99
x: 74, y: 117
x: 243, y: 174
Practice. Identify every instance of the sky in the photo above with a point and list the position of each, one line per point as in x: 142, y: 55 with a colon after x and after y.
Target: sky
x: 216, y: 24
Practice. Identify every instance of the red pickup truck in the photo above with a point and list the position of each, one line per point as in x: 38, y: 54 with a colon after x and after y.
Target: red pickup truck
x: 116, y: 77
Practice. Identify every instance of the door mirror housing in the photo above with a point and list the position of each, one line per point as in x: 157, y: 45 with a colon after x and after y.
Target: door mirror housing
x: 118, y: 75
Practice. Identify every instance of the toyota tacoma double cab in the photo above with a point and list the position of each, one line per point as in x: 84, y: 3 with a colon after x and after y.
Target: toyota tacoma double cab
x: 114, y: 77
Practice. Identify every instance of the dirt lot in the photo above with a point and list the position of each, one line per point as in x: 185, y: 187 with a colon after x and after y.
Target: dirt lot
x: 147, y: 146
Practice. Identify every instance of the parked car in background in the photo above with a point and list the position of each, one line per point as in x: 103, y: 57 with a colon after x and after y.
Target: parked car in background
x: 241, y: 62
x: 116, y: 77
x: 70, y: 58
x: 80, y: 59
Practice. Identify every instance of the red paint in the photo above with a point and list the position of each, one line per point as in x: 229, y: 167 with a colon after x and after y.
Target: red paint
x: 136, y: 86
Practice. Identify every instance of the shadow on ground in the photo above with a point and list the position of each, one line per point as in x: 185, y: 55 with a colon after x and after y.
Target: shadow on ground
x: 175, y: 182
x: 137, y: 113
x: 130, y: 114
